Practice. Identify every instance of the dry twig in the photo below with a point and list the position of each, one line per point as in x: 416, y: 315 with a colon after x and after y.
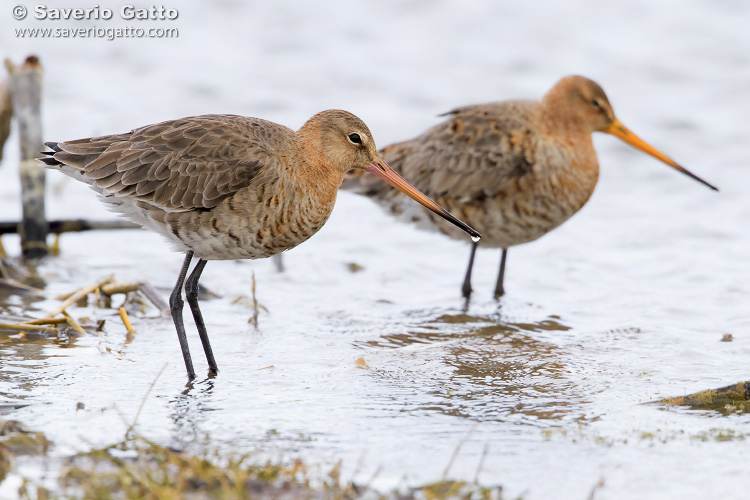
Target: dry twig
x: 26, y: 326
x: 46, y: 321
x: 73, y: 323
x: 75, y: 297
x: 255, y: 304
x: 126, y: 321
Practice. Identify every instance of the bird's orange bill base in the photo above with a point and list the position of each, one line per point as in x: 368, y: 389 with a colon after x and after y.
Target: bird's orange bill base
x: 619, y: 130
x: 381, y: 169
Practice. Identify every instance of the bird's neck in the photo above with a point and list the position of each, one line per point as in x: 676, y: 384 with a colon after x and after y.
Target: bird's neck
x: 572, y: 137
x: 559, y: 116
x: 320, y: 176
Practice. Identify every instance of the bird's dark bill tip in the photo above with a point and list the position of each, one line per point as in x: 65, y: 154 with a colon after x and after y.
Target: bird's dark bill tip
x: 695, y: 177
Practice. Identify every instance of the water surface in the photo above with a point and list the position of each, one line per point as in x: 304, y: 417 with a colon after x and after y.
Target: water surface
x: 624, y: 304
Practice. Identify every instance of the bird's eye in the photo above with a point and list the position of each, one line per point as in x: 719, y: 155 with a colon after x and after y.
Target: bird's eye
x: 596, y: 104
x: 355, y: 138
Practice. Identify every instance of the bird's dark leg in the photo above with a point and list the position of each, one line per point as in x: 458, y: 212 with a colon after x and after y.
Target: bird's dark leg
x: 499, y: 289
x: 466, y: 287
x: 175, y: 306
x: 191, y: 294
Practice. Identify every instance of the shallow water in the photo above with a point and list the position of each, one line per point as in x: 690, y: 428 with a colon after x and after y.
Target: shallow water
x: 543, y: 390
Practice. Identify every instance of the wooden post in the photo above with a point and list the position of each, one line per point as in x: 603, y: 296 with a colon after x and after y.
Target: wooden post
x: 26, y: 89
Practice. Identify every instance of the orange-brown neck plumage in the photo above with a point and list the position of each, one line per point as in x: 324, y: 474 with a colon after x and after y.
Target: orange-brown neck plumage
x: 319, y: 171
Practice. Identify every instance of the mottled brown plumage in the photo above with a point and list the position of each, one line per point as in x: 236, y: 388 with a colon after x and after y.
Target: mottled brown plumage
x: 223, y: 186
x: 226, y: 186
x: 515, y: 170
x: 6, y: 113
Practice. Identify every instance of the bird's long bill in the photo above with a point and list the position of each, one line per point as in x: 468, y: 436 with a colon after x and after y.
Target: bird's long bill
x: 381, y: 169
x: 619, y: 130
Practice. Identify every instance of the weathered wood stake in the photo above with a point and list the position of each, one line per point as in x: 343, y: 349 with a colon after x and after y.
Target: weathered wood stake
x: 26, y: 90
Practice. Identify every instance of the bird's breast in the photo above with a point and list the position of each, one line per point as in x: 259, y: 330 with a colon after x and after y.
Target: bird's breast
x: 261, y: 220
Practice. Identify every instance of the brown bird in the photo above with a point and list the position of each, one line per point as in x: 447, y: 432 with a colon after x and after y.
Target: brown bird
x: 228, y: 187
x: 515, y: 170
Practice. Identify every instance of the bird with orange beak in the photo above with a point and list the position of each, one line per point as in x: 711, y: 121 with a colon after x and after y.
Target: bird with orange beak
x: 228, y: 187
x: 514, y: 170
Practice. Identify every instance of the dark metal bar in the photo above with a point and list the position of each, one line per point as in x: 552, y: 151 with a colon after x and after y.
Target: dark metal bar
x: 72, y: 226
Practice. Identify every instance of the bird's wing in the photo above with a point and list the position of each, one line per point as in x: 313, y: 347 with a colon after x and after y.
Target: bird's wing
x: 179, y: 165
x: 477, y: 152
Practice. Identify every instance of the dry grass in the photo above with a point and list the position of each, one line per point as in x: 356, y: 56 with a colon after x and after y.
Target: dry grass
x: 730, y: 399
x: 140, y: 469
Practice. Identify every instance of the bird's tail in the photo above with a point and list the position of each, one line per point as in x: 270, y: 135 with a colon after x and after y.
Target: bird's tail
x: 49, y: 158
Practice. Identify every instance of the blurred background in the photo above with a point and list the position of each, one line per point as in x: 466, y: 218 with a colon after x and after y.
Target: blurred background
x: 623, y: 304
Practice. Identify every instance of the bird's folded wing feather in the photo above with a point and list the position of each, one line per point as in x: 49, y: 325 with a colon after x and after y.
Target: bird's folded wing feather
x: 474, y: 154
x: 180, y: 165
